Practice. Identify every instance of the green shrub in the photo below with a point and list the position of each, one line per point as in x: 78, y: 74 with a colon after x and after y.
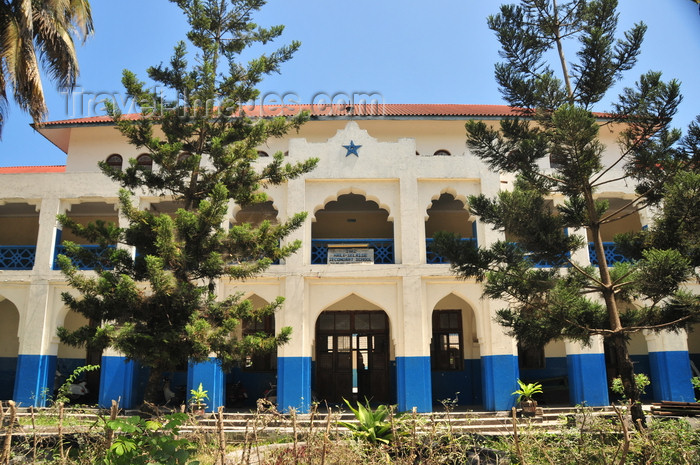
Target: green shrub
x: 143, y: 442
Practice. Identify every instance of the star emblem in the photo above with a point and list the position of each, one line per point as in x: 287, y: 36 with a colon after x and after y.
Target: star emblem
x: 352, y: 149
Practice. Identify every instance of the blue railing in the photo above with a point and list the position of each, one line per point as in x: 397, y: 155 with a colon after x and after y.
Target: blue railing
x: 612, y: 255
x: 383, y: 249
x: 17, y: 257
x: 80, y: 264
x: 433, y: 258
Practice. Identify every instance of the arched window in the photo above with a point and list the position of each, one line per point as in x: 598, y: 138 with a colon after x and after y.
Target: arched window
x: 114, y: 161
x: 441, y: 153
x: 145, y: 162
x: 262, y: 154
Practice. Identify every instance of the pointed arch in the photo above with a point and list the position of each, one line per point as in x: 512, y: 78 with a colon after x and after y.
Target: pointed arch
x: 455, y: 352
x: 357, y: 191
x: 9, y: 346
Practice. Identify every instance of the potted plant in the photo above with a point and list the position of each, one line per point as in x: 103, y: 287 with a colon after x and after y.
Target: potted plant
x: 197, y: 398
x: 528, y: 405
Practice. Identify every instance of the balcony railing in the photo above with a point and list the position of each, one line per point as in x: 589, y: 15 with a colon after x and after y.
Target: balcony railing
x: 80, y: 264
x: 17, y: 257
x: 433, y: 258
x: 612, y: 255
x: 383, y: 249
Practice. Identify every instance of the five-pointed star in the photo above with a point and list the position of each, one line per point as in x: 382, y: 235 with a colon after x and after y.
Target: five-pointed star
x: 352, y: 149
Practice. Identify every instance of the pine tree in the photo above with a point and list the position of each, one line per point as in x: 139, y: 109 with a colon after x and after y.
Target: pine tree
x: 555, y: 124
x: 159, y: 306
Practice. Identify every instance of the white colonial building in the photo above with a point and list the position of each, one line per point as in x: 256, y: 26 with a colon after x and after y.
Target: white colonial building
x: 374, y: 312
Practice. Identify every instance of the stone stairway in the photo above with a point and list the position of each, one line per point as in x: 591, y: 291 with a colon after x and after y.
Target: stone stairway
x: 237, y: 425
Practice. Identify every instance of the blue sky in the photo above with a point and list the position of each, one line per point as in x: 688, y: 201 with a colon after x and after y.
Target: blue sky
x: 407, y: 51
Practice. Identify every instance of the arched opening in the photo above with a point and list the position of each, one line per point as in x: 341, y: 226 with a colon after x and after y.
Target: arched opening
x: 144, y: 162
x: 19, y: 228
x: 69, y: 358
x: 626, y: 220
x: 352, y: 353
x: 84, y: 213
x: 447, y: 213
x: 454, y: 353
x: 257, y: 372
x: 352, y: 229
x: 256, y: 214
x: 114, y: 161
x: 548, y: 366
x: 9, y: 347
x: 442, y: 153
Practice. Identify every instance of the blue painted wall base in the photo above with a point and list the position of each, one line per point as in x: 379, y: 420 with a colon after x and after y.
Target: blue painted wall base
x: 211, y: 376
x: 117, y: 379
x: 294, y: 384
x: 670, y: 376
x: 499, y: 380
x: 34, y: 379
x: 587, y: 380
x: 414, y: 384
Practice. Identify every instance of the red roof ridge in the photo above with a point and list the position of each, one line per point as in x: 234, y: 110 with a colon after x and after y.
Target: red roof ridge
x: 33, y: 169
x: 370, y: 108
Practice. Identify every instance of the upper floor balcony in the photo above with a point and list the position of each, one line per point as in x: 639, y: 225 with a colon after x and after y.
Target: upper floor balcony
x: 19, y: 228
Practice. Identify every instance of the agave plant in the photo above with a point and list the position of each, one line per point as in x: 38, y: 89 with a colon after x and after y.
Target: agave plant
x: 372, y: 425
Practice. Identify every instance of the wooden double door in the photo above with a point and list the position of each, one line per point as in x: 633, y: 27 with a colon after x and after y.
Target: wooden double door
x: 352, y: 356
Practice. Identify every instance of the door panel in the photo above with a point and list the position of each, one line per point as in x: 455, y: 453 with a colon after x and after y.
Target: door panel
x: 352, y: 356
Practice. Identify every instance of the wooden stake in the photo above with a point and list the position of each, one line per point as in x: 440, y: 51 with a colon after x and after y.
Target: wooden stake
x: 222, y: 436
x: 60, y: 434
x: 34, y: 438
x: 5, y: 458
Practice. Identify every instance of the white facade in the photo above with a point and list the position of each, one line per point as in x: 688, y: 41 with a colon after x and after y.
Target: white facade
x: 389, y: 197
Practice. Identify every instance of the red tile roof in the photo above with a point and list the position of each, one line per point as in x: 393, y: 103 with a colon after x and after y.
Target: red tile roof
x: 321, y: 110
x: 32, y: 169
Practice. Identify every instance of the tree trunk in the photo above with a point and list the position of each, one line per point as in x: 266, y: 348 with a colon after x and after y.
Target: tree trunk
x: 617, y: 340
x: 626, y: 370
x: 154, y: 387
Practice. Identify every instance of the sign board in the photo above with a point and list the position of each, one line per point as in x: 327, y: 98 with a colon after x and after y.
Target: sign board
x: 344, y: 255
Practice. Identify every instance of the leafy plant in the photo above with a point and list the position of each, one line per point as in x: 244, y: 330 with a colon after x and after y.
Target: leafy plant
x: 199, y: 395
x: 526, y: 391
x: 696, y: 382
x: 372, y: 425
x: 149, y: 442
x: 63, y: 394
x: 640, y: 379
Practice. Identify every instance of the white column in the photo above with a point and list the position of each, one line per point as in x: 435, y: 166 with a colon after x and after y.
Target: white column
x: 46, y: 238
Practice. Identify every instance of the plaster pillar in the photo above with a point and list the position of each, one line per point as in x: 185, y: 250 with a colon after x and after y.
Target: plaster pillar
x: 588, y: 382
x: 499, y: 362
x: 211, y: 376
x: 294, y: 367
x: 410, y: 225
x: 119, y: 380
x: 413, y: 374
x: 669, y: 364
x: 36, y: 361
x: 49, y: 233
